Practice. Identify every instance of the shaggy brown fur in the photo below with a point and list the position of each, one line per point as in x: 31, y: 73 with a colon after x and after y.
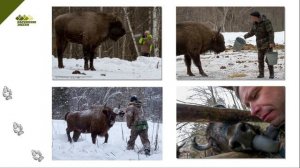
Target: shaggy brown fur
x: 193, y: 39
x: 227, y: 137
x: 97, y: 122
x: 89, y: 29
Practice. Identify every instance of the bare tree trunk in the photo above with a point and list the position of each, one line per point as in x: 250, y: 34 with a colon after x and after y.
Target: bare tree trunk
x: 212, y: 95
x: 70, y: 44
x: 131, y: 32
x: 124, y: 47
x: 155, y: 31
x: 193, y: 113
x: 233, y: 99
x: 100, y: 47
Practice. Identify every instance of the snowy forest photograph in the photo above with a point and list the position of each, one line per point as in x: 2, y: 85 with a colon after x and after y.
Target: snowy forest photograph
x: 107, y: 123
x: 106, y: 43
x: 214, y: 43
x: 213, y: 123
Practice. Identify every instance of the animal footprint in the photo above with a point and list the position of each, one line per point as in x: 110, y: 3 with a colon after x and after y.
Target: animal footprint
x: 7, y: 93
x: 18, y: 129
x: 37, y: 155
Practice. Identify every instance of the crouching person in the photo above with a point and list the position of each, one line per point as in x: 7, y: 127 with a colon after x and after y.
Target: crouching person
x: 136, y: 122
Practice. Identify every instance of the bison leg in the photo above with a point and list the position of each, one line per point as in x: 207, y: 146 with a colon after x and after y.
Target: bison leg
x: 61, y: 46
x: 94, y: 136
x: 76, y: 135
x: 197, y: 62
x: 86, y: 57
x: 69, y: 136
x: 188, y: 63
x: 92, y: 53
x: 106, y: 138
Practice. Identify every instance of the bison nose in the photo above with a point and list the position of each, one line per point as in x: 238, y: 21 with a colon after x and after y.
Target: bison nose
x: 234, y: 145
x: 241, y: 139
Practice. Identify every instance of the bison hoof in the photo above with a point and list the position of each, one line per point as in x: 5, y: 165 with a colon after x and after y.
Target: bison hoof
x: 204, y: 74
x: 93, y: 69
x: 191, y: 74
x: 60, y: 66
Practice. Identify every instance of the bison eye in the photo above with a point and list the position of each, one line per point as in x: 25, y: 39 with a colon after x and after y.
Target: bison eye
x: 243, y: 127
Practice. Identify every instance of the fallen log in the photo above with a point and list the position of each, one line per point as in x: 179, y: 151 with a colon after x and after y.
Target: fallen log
x: 197, y: 113
x: 236, y: 155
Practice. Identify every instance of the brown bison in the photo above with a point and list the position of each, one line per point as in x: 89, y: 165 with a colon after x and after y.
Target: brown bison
x: 240, y: 137
x: 96, y: 121
x: 193, y: 39
x: 89, y: 29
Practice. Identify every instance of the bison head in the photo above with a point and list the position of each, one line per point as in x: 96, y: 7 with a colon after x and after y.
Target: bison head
x: 116, y: 30
x: 218, y: 43
x: 241, y: 135
x: 230, y: 137
x: 110, y: 115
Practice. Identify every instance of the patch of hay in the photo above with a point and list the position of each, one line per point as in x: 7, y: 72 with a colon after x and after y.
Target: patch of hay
x: 237, y: 75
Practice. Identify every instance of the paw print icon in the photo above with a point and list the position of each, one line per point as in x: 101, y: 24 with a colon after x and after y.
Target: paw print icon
x: 18, y: 129
x: 37, y: 155
x: 7, y: 93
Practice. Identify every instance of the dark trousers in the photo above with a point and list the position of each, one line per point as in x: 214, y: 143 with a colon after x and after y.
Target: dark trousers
x: 261, y: 65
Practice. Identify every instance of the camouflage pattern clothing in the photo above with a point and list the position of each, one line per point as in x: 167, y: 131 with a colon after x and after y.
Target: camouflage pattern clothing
x: 263, y: 30
x: 146, y: 43
x: 138, y: 125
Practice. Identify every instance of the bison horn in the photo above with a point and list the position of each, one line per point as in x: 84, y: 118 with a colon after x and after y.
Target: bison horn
x: 116, y: 110
x: 104, y: 105
x: 265, y: 144
x: 180, y: 146
x: 201, y: 147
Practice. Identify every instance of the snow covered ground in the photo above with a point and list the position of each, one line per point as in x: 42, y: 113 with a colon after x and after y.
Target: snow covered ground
x: 110, y: 68
x: 115, y: 149
x: 233, y: 65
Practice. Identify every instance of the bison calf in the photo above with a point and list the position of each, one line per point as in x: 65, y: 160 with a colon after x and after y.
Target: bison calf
x: 87, y: 28
x: 97, y: 122
x: 193, y: 39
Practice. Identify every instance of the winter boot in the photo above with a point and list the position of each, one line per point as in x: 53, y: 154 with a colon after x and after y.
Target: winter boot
x: 147, y: 152
x: 261, y: 72
x: 260, y: 76
x: 271, y: 70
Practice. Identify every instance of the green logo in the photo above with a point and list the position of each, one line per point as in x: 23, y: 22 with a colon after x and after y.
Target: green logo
x: 25, y: 20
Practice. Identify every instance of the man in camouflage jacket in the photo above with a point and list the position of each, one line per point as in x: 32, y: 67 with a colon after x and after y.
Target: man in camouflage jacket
x: 137, y: 123
x: 268, y: 104
x: 263, y: 30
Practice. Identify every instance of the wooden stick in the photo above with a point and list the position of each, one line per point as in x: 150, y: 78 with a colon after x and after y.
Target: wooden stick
x: 197, y: 113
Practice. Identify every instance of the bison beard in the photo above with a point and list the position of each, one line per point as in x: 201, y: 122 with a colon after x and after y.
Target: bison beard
x: 193, y: 39
x: 96, y: 122
x: 89, y: 29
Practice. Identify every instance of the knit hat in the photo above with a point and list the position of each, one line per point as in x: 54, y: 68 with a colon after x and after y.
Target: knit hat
x: 255, y: 13
x: 133, y: 98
